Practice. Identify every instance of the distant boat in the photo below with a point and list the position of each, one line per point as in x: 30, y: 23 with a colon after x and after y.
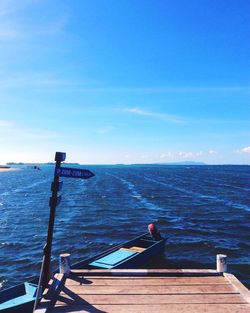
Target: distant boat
x: 131, y: 254
x: 34, y: 167
x: 4, y: 166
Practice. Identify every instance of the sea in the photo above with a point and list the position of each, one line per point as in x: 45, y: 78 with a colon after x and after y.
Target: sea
x: 202, y: 211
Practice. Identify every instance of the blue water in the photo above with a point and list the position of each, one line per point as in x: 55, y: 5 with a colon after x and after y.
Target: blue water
x: 202, y: 210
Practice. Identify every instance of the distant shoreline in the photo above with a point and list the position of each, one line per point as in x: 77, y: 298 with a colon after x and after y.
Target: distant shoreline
x: 7, y: 169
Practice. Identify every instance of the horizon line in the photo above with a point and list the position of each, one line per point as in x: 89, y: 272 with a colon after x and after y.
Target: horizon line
x: 195, y: 163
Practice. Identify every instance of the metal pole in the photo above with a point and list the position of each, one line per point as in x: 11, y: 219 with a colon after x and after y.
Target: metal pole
x: 59, y: 157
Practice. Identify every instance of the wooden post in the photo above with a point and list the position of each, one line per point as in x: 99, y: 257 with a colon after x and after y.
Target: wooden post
x: 221, y: 263
x: 64, y: 263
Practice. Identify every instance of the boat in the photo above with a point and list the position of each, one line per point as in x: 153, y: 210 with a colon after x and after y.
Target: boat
x: 18, y: 299
x: 131, y: 255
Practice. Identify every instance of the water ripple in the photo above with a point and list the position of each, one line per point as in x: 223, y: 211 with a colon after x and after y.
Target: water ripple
x: 201, y: 210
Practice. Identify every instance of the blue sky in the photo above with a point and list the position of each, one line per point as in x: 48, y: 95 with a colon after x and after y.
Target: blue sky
x: 128, y: 81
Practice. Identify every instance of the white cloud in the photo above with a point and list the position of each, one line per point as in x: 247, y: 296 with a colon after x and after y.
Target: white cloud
x: 166, y: 155
x: 137, y: 111
x: 165, y: 117
x: 245, y: 150
x: 181, y: 155
x: 212, y: 152
x: 186, y: 155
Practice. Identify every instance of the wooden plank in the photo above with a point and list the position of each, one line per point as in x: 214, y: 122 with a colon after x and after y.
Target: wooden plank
x: 135, y: 249
x: 238, y: 286
x: 148, y: 281
x: 152, y: 290
x: 157, y: 291
x: 152, y: 299
x: 156, y: 308
x: 55, y: 285
x: 145, y: 272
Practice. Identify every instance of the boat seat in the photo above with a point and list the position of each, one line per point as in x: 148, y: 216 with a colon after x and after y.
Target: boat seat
x: 135, y: 249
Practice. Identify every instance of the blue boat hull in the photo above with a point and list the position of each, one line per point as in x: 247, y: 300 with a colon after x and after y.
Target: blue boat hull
x: 112, y: 258
x: 22, y: 308
x: 20, y: 298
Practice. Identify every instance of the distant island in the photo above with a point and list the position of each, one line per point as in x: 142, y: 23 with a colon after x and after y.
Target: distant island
x: 183, y: 163
x: 31, y: 164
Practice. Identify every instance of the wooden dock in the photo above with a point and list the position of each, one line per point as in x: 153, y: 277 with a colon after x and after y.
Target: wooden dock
x: 144, y: 291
